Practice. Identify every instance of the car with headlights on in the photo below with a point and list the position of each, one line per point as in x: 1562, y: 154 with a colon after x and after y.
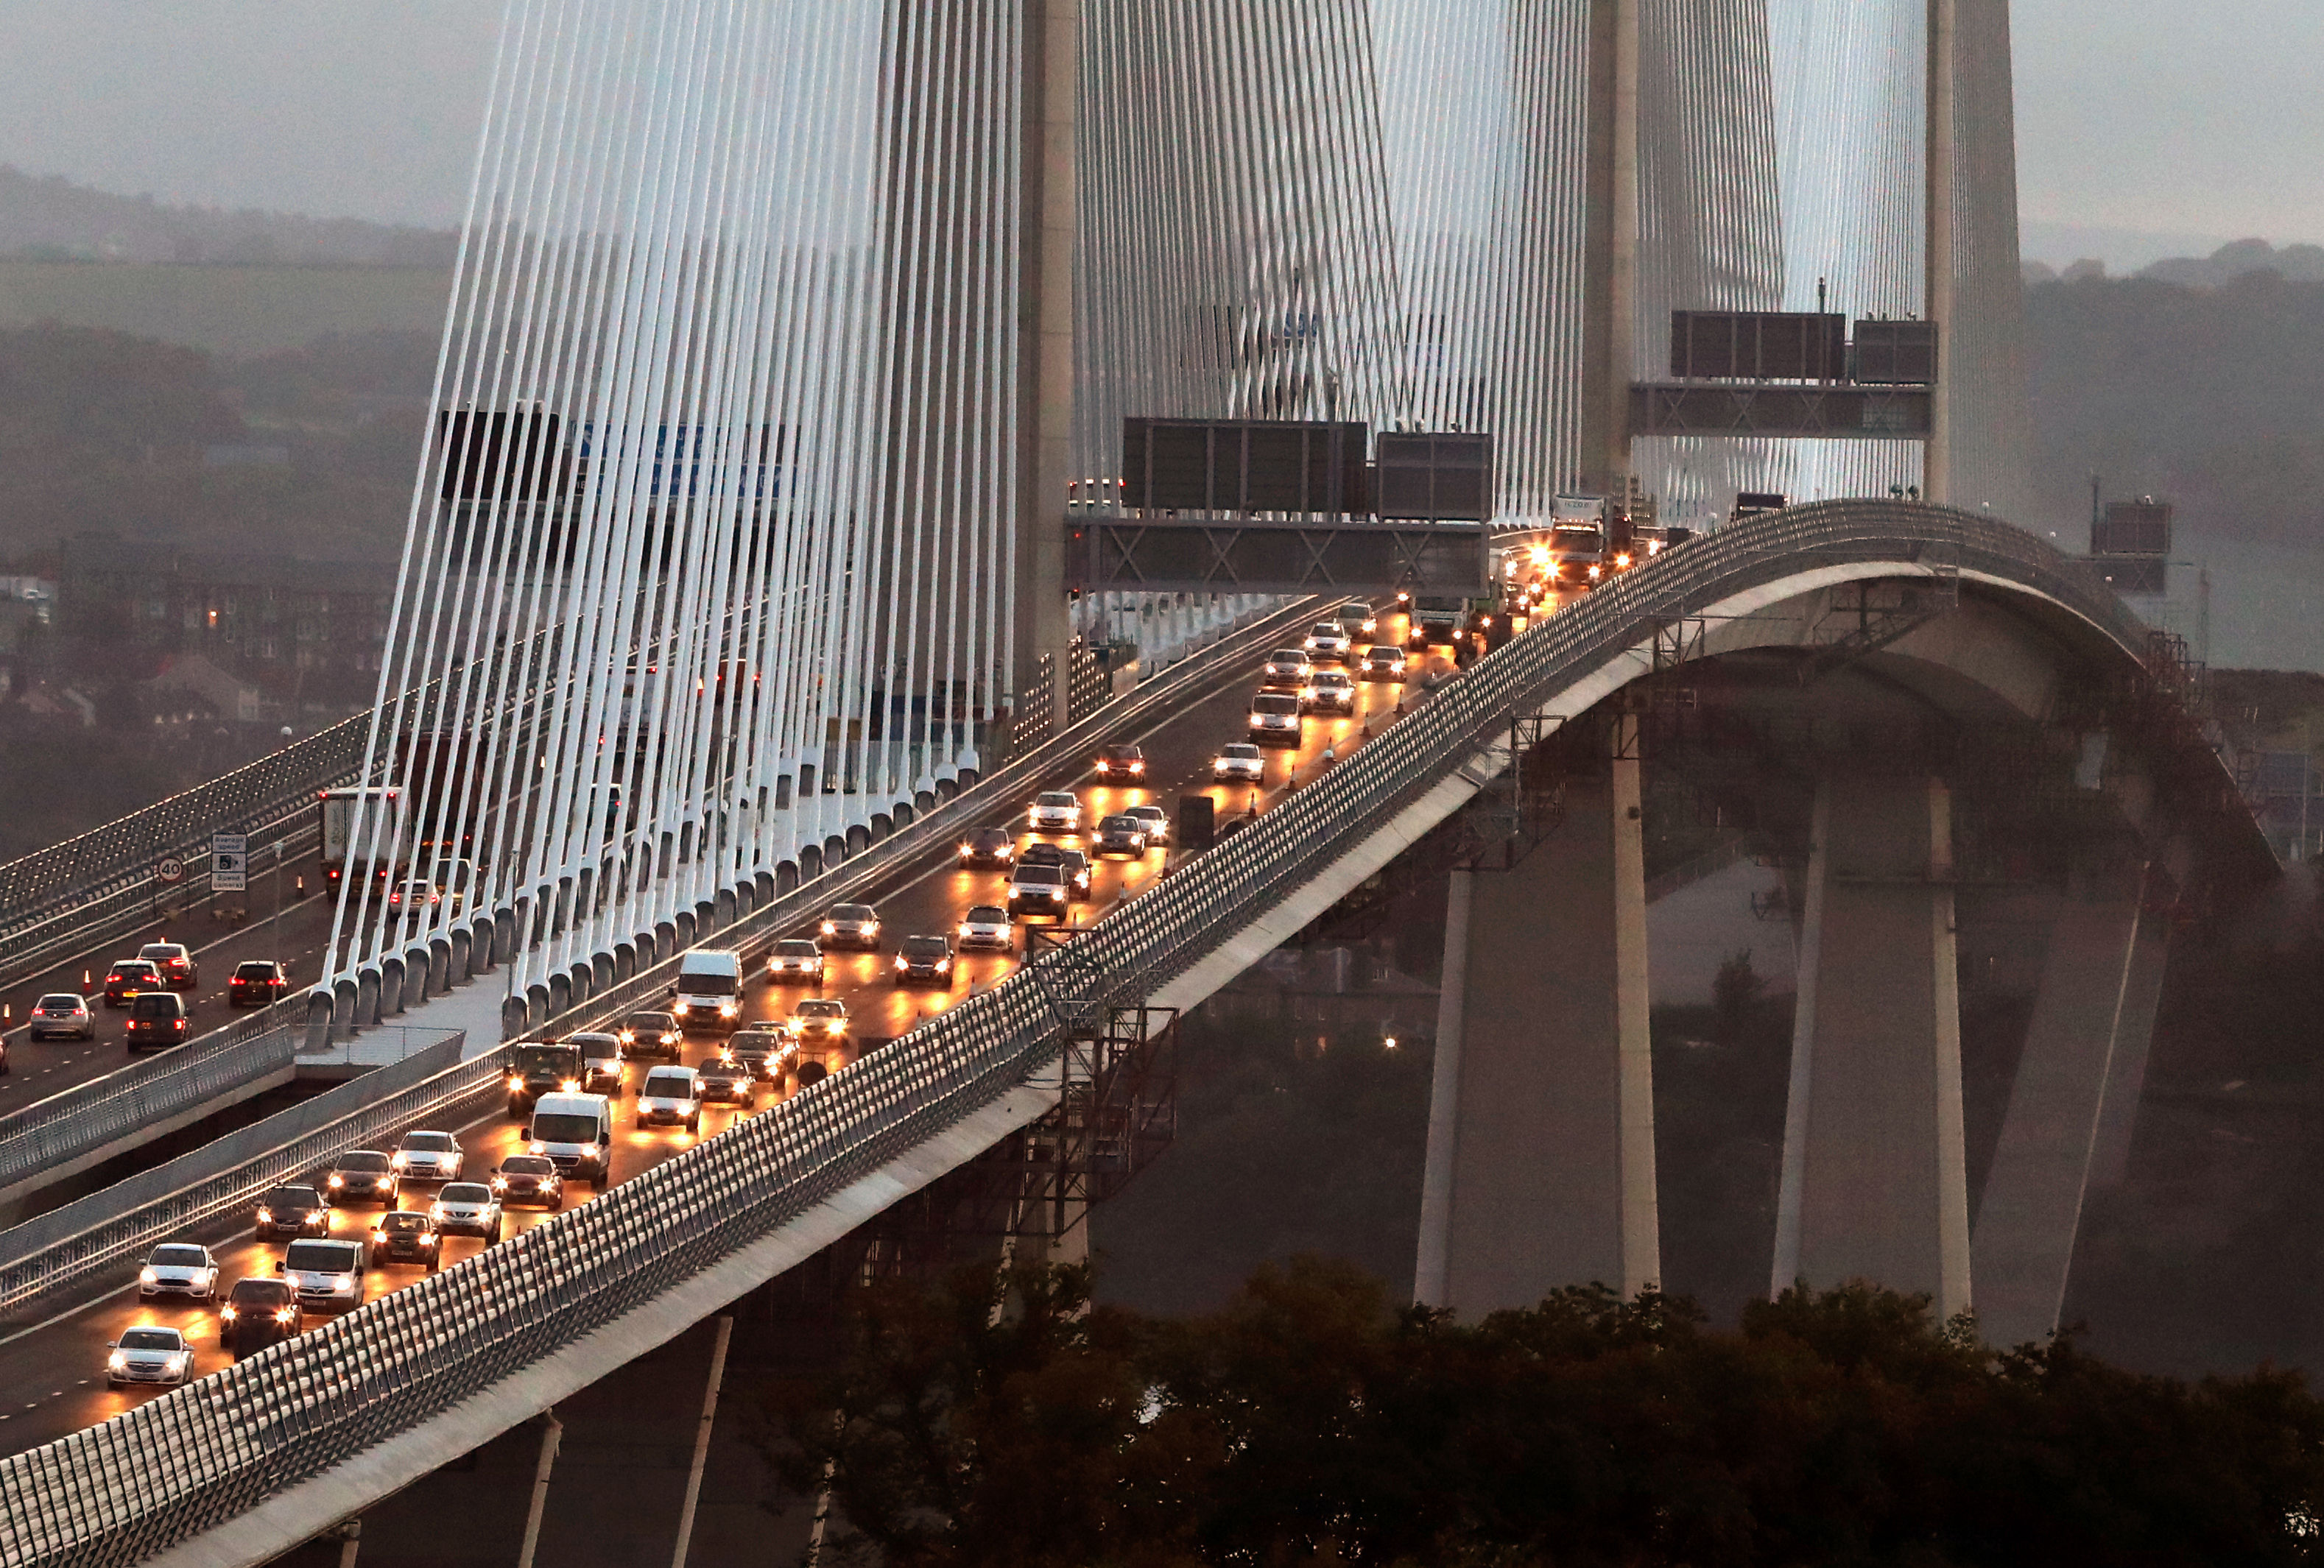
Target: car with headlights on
x: 795, y: 962
x: 1331, y: 691
x: 1054, y: 812
x: 725, y: 1081
x: 1238, y: 762
x: 708, y: 991
x: 467, y: 1208
x: 406, y: 1236
x: 129, y: 978
x: 256, y: 983
x: 654, y: 1034
x: 822, y: 1020
x: 1326, y: 639
x: 761, y: 1048
x: 1357, y: 619
x: 924, y: 960
x: 1072, y: 862
x: 988, y: 848
x: 290, y: 1211
x: 1157, y: 821
x: 361, y: 1176
x: 326, y: 1275
x: 1285, y: 670
x: 602, y: 1072
x: 61, y: 1014
x: 1120, y: 835
x: 1275, y: 719
x: 986, y: 929
x: 1039, y: 890
x: 176, y: 962
x: 541, y: 1067
x: 258, y: 1312
x: 529, y: 1181
x: 671, y: 1096
x: 1121, y: 764
x: 179, y: 1269
x: 576, y: 1132
x: 148, y: 1355
x: 1385, y: 662
x: 850, y: 925
x: 427, y: 1157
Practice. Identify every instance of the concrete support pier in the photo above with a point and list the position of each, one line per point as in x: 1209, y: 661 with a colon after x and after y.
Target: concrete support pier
x: 1875, y: 1185
x: 2095, y: 1001
x: 1541, y: 1131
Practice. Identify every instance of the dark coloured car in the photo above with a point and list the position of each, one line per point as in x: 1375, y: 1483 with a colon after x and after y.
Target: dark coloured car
x: 131, y: 977
x: 1121, y: 836
x: 760, y: 1050
x: 1121, y: 764
x: 176, y: 962
x: 291, y: 1211
x: 61, y: 1013
x: 406, y: 1236
x: 537, y: 1068
x: 361, y: 1176
x: 989, y: 847
x: 654, y: 1034
x: 924, y: 961
x: 158, y: 1019
x: 725, y: 1081
x: 602, y: 1072
x: 258, y: 1313
x: 256, y: 983
x: 530, y: 1181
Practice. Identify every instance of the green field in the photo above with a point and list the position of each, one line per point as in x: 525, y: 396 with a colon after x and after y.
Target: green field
x: 235, y: 310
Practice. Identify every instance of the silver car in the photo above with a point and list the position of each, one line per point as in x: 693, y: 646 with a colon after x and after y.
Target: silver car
x: 427, y: 1157
x: 1157, y: 821
x: 987, y: 926
x: 60, y: 1012
x: 326, y: 1275
x: 148, y: 1355
x: 467, y: 1208
x: 179, y: 1269
x: 1239, y: 760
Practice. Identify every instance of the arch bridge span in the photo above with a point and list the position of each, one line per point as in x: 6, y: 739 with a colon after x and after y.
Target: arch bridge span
x: 265, y: 1454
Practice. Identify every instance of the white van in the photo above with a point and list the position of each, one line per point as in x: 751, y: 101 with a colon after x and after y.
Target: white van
x: 709, y: 990
x: 671, y: 1094
x: 576, y: 1132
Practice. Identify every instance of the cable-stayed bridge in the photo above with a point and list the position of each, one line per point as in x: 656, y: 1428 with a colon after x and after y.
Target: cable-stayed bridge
x: 787, y: 345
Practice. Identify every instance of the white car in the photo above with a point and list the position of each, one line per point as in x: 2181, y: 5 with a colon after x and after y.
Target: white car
x: 1055, y: 811
x: 671, y: 1094
x: 427, y: 1157
x: 1157, y: 821
x: 148, y: 1355
x: 986, y: 928
x: 467, y: 1208
x: 1331, y: 689
x: 179, y: 1269
x: 1239, y: 761
x: 61, y: 1013
x: 413, y: 899
x: 822, y: 1017
x: 1326, y: 639
x: 326, y: 1275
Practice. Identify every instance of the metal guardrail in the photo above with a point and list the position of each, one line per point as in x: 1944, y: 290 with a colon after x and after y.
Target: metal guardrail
x: 65, y: 1126
x: 192, y: 1459
x: 107, y: 1230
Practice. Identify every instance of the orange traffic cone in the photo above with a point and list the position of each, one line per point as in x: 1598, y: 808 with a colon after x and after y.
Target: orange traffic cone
x: 85, y: 982
x: 302, y: 884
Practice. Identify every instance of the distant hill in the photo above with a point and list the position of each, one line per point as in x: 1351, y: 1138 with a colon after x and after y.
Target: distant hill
x: 54, y: 220
x: 2240, y: 259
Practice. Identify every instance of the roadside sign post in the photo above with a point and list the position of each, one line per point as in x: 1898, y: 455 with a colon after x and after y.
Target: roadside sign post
x: 230, y: 873
x: 168, y: 875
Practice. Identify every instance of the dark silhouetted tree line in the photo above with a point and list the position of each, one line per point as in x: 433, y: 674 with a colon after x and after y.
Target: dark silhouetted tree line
x: 1000, y: 1419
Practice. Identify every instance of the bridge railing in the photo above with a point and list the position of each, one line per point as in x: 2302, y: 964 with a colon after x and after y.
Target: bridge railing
x: 193, y: 1459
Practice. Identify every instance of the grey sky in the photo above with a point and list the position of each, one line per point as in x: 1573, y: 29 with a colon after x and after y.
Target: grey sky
x: 2198, y: 121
